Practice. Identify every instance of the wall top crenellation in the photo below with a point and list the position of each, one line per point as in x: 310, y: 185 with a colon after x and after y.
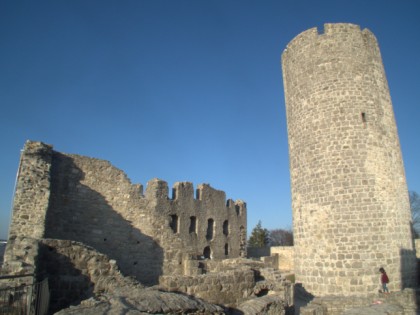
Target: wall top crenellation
x: 159, y: 189
x: 330, y: 29
x: 156, y: 188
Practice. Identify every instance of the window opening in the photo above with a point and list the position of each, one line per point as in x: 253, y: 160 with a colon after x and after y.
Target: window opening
x: 174, y: 223
x: 193, y: 225
x: 226, y: 249
x: 207, y: 252
x: 210, y: 229
x: 226, y: 228
x: 363, y: 117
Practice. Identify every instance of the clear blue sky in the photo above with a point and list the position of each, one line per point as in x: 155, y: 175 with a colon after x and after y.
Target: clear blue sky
x: 181, y: 90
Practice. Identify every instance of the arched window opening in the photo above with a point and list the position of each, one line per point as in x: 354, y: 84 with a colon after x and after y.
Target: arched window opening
x: 207, y: 252
x: 226, y: 249
x: 226, y: 228
x: 193, y: 225
x: 174, y: 223
x: 210, y: 229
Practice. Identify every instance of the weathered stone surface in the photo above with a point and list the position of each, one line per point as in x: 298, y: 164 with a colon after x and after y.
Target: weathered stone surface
x: 270, y: 305
x: 398, y: 303
x: 85, y: 281
x: 87, y: 222
x: 285, y: 257
x: 351, y: 213
x: 65, y: 196
x: 377, y: 309
x: 143, y: 301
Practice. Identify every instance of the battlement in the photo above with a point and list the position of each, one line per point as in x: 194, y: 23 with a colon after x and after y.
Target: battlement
x: 184, y: 192
x: 338, y: 32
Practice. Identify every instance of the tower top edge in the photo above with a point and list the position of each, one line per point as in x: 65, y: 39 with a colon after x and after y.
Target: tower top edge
x: 329, y: 29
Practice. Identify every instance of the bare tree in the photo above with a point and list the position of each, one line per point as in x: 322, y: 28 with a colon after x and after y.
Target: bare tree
x: 415, y: 212
x: 281, y: 237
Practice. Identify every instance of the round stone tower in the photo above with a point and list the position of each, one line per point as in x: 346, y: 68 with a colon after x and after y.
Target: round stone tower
x: 351, y: 212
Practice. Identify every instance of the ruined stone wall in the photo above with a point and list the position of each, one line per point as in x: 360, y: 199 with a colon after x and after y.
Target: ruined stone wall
x: 32, y: 193
x: 72, y: 197
x: 285, y: 257
x: 350, y: 203
x: 208, y: 225
x: 94, y: 203
x: 228, y: 288
x: 75, y: 272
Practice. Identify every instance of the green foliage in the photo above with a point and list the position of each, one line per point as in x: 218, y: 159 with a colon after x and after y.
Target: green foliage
x: 415, y: 212
x: 259, y: 236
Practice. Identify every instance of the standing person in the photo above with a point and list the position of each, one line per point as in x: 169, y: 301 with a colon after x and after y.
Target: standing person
x: 384, y: 280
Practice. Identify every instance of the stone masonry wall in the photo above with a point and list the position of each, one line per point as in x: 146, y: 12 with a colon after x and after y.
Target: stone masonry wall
x: 403, y: 302
x: 228, y: 288
x: 72, y: 197
x: 75, y: 272
x: 32, y: 191
x: 94, y: 203
x: 285, y: 257
x: 351, y: 212
x: 207, y: 221
x: 417, y: 246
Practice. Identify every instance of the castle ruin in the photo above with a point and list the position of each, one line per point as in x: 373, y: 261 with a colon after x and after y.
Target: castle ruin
x: 65, y: 196
x: 79, y: 221
x: 351, y: 213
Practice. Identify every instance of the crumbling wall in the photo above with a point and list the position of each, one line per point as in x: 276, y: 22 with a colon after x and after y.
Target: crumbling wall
x: 20, y: 258
x: 231, y: 282
x: 228, y: 288
x: 94, y: 203
x: 78, y: 272
x: 206, y: 226
x: 72, y: 197
x: 285, y: 257
x: 75, y: 272
x: 32, y: 192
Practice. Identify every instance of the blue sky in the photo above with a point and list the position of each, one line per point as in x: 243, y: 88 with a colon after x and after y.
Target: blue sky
x: 182, y: 90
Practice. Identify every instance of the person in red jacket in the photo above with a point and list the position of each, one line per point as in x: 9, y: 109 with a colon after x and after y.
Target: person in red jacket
x: 384, y: 280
